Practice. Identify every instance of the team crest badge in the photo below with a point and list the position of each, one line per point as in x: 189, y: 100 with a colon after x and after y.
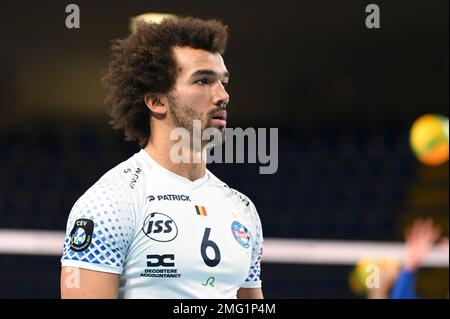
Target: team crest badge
x: 241, y: 234
x: 81, y: 235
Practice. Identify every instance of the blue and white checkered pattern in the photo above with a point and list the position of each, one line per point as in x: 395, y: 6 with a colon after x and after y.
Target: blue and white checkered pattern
x: 255, y: 272
x: 112, y: 227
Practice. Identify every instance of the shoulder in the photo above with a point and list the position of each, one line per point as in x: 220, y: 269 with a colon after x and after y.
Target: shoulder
x: 127, y: 173
x: 250, y: 214
x: 243, y: 198
x: 126, y: 176
x: 111, y: 198
x: 115, y: 187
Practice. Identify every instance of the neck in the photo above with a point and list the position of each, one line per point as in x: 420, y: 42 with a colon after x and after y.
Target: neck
x: 159, y: 148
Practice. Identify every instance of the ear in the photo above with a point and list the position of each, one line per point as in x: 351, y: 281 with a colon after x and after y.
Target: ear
x: 155, y: 103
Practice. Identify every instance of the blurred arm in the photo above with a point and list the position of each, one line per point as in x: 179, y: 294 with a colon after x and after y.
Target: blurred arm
x: 420, y: 238
x: 405, y: 286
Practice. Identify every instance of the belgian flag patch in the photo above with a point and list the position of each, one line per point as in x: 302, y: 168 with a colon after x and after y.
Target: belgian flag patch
x: 200, y: 210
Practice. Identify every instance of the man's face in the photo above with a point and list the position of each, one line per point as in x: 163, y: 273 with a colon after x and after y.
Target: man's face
x: 199, y: 92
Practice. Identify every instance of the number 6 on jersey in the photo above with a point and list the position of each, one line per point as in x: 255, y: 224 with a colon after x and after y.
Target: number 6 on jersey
x: 206, y: 242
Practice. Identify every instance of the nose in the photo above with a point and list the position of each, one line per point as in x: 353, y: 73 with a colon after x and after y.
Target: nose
x: 221, y: 97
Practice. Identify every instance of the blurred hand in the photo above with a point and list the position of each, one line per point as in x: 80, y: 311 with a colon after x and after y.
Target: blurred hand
x: 420, y: 238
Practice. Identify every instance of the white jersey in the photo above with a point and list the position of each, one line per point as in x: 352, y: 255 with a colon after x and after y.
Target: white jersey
x: 167, y: 236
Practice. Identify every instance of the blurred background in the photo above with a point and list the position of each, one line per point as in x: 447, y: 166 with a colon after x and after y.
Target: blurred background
x: 342, y: 96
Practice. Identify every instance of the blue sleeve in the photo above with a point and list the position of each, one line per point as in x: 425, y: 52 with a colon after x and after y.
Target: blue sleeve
x: 404, y: 286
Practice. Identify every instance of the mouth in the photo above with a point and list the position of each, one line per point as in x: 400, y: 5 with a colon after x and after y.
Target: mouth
x: 220, y: 118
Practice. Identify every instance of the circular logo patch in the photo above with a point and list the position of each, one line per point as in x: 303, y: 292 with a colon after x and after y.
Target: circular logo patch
x: 81, y: 235
x: 241, y: 234
x: 160, y: 227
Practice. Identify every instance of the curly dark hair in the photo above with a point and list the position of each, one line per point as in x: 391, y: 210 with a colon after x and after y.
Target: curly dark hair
x: 144, y: 63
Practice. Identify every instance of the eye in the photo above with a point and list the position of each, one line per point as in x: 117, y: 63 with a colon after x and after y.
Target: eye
x: 225, y: 83
x: 203, y: 81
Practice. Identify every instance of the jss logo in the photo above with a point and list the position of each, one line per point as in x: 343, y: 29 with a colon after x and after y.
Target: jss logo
x: 160, y: 260
x: 160, y: 227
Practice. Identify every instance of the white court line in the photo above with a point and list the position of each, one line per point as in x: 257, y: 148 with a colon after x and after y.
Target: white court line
x: 276, y: 250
